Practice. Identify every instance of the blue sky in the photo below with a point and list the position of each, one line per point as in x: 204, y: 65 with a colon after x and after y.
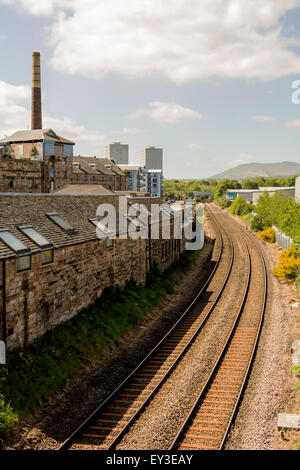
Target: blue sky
x: 209, y: 81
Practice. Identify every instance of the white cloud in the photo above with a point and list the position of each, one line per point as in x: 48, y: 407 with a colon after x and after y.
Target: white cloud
x: 194, y: 147
x: 180, y: 40
x: 15, y: 115
x: 39, y: 8
x: 86, y: 140
x: 13, y: 112
x: 262, y: 118
x: 165, y: 112
x: 243, y: 158
x: 130, y: 130
x: 295, y: 123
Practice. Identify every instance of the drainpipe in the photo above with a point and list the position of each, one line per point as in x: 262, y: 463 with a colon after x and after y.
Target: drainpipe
x: 4, y: 301
x: 149, y: 241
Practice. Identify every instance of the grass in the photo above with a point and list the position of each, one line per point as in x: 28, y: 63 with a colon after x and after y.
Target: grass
x: 45, y: 366
x: 247, y: 218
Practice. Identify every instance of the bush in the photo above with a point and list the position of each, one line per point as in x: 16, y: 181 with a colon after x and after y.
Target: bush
x: 240, y: 207
x: 288, y: 265
x: 258, y: 223
x: 268, y: 235
x: 296, y: 371
x: 49, y: 362
x: 222, y: 202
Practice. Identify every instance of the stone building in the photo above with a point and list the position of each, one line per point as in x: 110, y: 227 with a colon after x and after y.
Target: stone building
x: 35, y: 144
x: 53, y: 263
x: 53, y: 172
x: 92, y: 170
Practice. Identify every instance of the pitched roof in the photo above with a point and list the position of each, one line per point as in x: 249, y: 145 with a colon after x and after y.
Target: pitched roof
x: 82, y: 189
x: 36, y: 134
x: 31, y: 209
x: 93, y: 165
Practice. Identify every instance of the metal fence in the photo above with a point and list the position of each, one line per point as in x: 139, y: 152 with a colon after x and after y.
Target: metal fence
x: 282, y: 239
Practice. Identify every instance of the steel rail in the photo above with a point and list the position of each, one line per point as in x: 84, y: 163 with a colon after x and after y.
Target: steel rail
x: 252, y: 358
x: 197, y: 403
x: 72, y: 438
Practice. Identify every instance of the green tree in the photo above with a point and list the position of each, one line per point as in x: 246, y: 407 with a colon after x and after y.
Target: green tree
x: 240, y: 207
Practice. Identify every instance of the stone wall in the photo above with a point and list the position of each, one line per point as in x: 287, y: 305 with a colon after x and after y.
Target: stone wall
x: 26, y: 175
x: 54, y: 172
x: 44, y: 296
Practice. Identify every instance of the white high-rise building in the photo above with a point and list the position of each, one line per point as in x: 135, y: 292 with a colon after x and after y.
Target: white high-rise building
x: 152, y: 158
x: 117, y: 152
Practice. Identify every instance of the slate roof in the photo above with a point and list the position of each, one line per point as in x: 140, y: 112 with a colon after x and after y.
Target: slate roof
x: 82, y: 189
x: 28, y: 209
x: 36, y: 134
x: 100, y: 166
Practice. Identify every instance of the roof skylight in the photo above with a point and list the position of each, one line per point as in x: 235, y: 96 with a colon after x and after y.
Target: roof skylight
x: 36, y: 237
x: 12, y: 242
x: 62, y: 223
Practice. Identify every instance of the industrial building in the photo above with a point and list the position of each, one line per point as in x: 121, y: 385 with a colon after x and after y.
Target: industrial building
x: 41, y: 161
x: 253, y: 195
x: 35, y: 144
x: 49, y: 248
x: 297, y: 189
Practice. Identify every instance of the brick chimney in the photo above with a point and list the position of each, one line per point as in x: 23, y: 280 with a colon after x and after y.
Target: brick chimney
x: 36, y: 98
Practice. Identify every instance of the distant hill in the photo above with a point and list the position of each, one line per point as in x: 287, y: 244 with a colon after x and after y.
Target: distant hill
x: 268, y: 170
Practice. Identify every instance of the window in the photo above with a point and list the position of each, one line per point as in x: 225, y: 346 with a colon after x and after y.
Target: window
x: 31, y: 183
x: 62, y: 223
x: 11, y: 182
x: 102, y: 230
x: 23, y: 263
x: 64, y: 161
x: 12, y: 242
x: 47, y: 256
x: 64, y: 175
x: 52, y: 171
x: 109, y: 242
x: 35, y: 236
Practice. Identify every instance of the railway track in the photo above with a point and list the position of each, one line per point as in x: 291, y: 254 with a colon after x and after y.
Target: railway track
x: 107, y: 425
x: 208, y: 423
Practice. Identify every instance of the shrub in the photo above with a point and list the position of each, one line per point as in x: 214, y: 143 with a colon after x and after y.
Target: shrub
x: 222, y: 202
x: 288, y: 265
x: 240, y: 207
x: 33, y: 151
x: 258, y: 223
x: 268, y: 235
x: 296, y: 371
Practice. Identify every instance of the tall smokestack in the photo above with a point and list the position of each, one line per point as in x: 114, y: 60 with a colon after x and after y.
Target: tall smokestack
x: 36, y: 98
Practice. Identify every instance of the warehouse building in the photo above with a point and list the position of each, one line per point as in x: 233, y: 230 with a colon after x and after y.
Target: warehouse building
x: 253, y: 195
x: 53, y: 263
x: 297, y: 189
